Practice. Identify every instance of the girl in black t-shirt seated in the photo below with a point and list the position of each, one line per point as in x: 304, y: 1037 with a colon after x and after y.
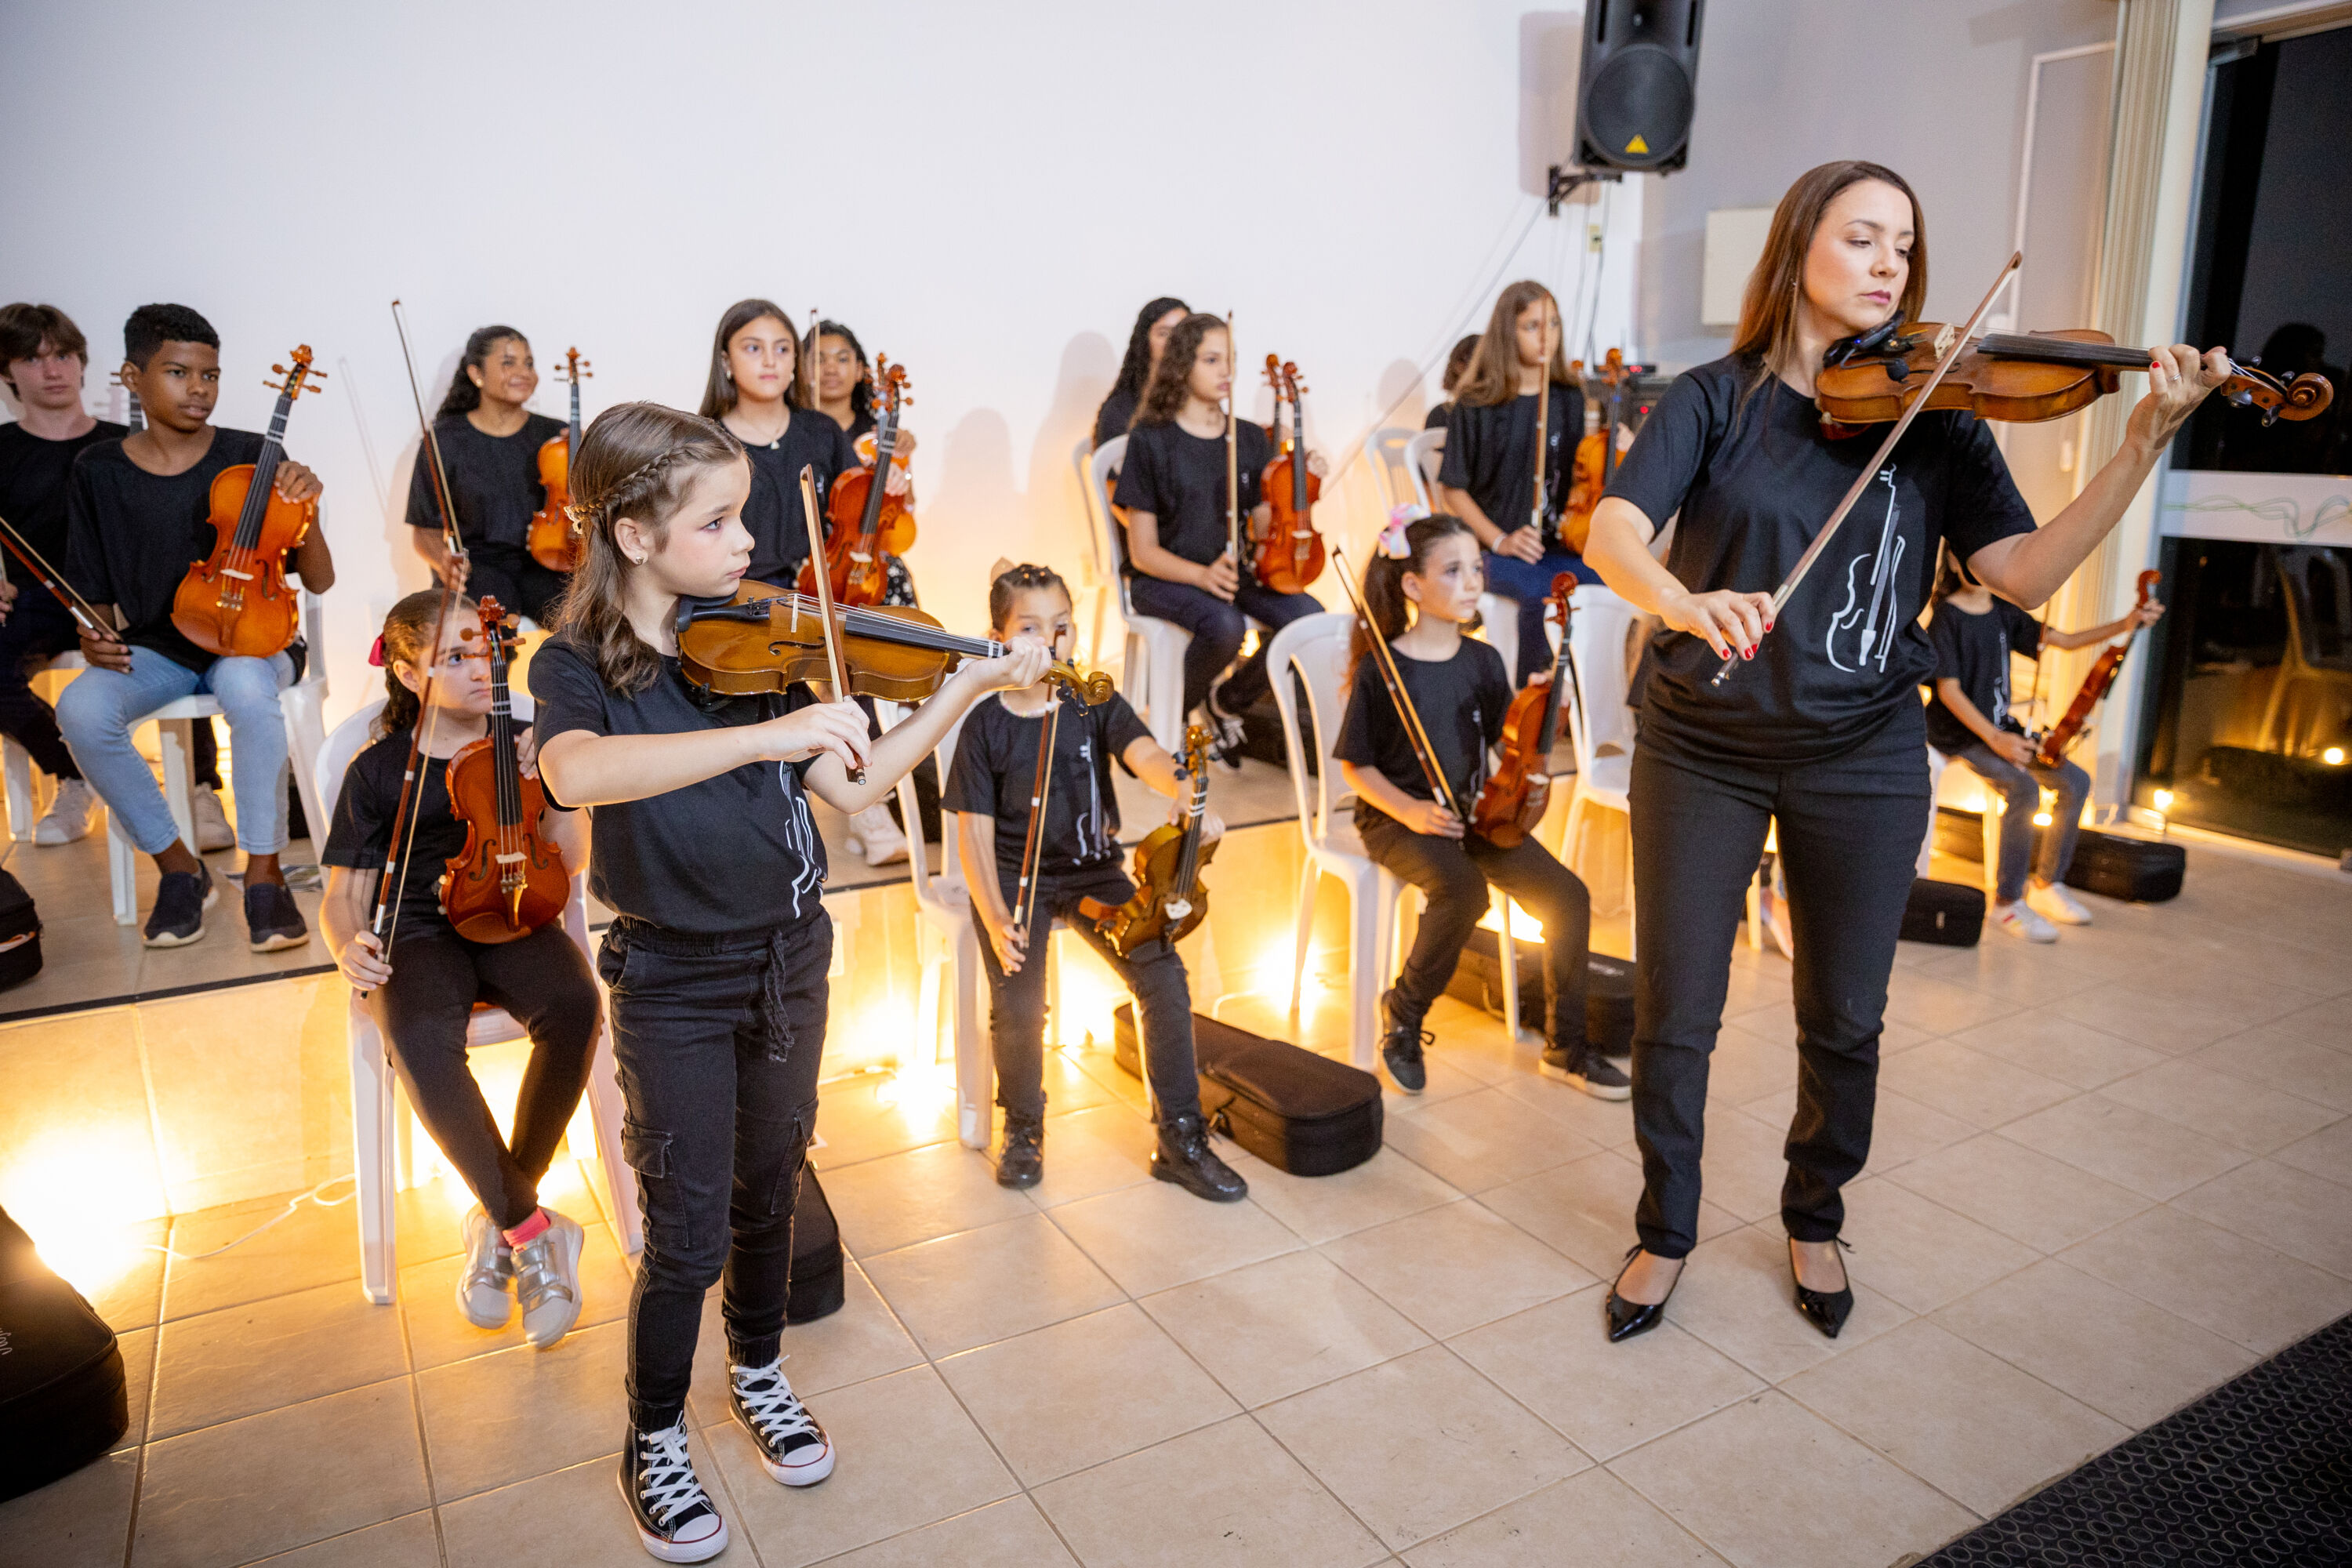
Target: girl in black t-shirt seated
x: 702, y: 844
x: 995, y: 768
x: 1456, y: 363
x: 1458, y: 689
x: 845, y: 393
x: 1488, y: 477
x: 1179, y: 547
x: 490, y: 449
x: 1969, y: 721
x: 423, y: 989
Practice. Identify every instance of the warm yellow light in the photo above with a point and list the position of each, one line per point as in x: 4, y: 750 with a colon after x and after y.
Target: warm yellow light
x: 78, y: 1192
x: 2332, y: 756
x: 2041, y: 819
x: 2164, y: 800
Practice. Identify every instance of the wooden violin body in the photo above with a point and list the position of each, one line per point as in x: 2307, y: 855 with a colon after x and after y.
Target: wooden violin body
x: 1513, y: 801
x: 554, y: 542
x: 2104, y: 669
x: 2024, y: 378
x: 236, y: 602
x: 1596, y: 460
x: 1290, y: 554
x: 864, y: 522
x: 506, y: 882
x: 1169, y: 900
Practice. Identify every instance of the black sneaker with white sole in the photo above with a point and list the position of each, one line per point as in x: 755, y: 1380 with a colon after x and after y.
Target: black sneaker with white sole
x: 272, y: 920
x: 1403, y: 1040
x: 181, y: 899
x: 677, y: 1521
x: 1226, y: 733
x: 1586, y: 1069
x: 793, y: 1447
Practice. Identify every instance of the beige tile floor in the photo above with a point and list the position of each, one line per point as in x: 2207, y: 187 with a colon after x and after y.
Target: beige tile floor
x: 2110, y: 1175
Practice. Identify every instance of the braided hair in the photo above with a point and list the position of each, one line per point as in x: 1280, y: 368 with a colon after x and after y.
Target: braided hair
x: 634, y: 461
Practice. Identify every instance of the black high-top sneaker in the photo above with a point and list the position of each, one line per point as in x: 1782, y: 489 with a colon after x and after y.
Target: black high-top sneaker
x: 1401, y: 1040
x: 1022, y: 1163
x: 1183, y: 1156
x: 676, y: 1521
x: 793, y: 1447
x: 1583, y: 1067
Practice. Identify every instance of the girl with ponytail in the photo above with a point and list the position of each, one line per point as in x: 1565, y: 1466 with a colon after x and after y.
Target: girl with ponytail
x: 489, y: 446
x: 1421, y: 590
x: 421, y: 978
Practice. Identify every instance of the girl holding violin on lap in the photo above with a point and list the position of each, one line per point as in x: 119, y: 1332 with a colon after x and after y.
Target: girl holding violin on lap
x: 845, y: 393
x: 489, y: 446
x: 422, y: 978
x: 701, y: 840
x: 1459, y: 695
x: 1517, y: 375
x: 1180, y: 556
x: 1814, y: 722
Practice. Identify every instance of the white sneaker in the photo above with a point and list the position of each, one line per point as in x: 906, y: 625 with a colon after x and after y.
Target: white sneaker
x: 874, y: 835
x: 2055, y: 903
x: 547, y: 1280
x: 2019, y: 922
x: 69, y: 814
x: 213, y: 831
x: 486, y: 1285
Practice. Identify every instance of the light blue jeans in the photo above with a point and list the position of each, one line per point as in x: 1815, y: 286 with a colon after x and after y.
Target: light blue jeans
x: 101, y: 707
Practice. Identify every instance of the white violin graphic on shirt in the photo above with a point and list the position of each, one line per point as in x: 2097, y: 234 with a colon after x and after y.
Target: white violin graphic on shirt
x: 1874, y: 624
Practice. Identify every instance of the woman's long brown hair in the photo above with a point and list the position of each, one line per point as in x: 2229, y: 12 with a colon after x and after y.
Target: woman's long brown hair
x: 634, y: 461
x: 1768, y: 314
x: 1170, y: 383
x: 719, y: 391
x: 1493, y: 374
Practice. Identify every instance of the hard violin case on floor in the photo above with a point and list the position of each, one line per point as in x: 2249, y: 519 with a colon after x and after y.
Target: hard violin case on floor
x: 814, y: 1288
x: 20, y: 933
x: 1299, y: 1112
x: 1948, y: 914
x: 2112, y: 864
x: 1607, y: 988
x: 63, y: 1401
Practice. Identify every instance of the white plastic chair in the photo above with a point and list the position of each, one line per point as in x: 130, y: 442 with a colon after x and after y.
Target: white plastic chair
x: 1151, y: 669
x: 1096, y: 585
x: 1386, y: 450
x: 1947, y: 786
x: 1600, y: 725
x: 1424, y: 454
x: 379, y: 1132
x: 1315, y: 648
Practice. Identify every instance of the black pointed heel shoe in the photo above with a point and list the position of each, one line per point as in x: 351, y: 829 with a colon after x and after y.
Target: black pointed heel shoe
x: 1825, y: 1309
x: 1627, y: 1319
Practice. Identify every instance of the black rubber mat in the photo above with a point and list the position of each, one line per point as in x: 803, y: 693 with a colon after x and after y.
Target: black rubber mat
x: 2258, y: 1472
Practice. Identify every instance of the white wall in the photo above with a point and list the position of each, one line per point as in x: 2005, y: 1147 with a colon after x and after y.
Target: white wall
x: 987, y: 193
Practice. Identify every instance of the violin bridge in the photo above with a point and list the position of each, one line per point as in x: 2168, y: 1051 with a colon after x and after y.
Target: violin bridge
x: 1944, y: 339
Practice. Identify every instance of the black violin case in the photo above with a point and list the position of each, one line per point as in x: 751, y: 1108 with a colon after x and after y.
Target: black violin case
x: 1298, y: 1111
x: 63, y: 1401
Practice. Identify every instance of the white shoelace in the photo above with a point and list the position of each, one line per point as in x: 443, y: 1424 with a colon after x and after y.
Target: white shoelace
x: 776, y: 1411
x: 666, y: 1481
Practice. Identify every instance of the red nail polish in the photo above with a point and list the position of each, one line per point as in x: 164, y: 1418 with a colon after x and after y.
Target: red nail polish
x: 1748, y: 653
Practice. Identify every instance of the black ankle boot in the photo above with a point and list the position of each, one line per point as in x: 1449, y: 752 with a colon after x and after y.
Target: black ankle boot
x: 1401, y: 1041
x: 1185, y: 1158
x: 1022, y: 1162
x: 1825, y: 1309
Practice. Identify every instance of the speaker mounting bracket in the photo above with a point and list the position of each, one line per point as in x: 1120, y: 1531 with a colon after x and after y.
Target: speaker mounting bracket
x: 1563, y: 183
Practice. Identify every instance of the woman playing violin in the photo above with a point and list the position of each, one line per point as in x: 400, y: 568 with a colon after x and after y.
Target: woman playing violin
x: 489, y: 446
x: 845, y: 393
x: 1818, y: 726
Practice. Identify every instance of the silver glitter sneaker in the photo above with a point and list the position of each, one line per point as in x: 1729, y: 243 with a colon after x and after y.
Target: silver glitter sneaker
x: 486, y: 1285
x: 547, y: 1280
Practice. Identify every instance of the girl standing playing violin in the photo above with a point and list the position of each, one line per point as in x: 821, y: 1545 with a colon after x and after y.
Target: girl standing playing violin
x: 1457, y: 687
x: 1824, y: 735
x: 994, y: 771
x: 1488, y: 477
x: 423, y: 991
x: 1179, y: 551
x: 702, y: 842
x: 845, y: 393
x: 490, y: 449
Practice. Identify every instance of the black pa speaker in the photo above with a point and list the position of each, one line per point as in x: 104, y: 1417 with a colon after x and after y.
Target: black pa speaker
x: 1637, y: 84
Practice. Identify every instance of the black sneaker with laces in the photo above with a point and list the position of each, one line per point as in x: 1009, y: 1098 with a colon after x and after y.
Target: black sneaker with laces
x: 181, y: 899
x: 1183, y: 1156
x: 272, y: 920
x: 677, y: 1521
x: 1401, y: 1042
x: 793, y: 1447
x: 1584, y: 1069
x: 1022, y: 1162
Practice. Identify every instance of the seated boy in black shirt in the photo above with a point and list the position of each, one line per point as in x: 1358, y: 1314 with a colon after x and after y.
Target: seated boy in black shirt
x: 136, y: 515
x: 989, y: 782
x: 1974, y: 634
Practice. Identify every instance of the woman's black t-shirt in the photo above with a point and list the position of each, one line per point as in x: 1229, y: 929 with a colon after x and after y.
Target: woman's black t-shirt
x: 1974, y: 651
x: 1461, y: 702
x: 34, y: 474
x: 737, y: 852
x: 362, y: 829
x: 1116, y: 413
x: 130, y: 536
x: 1490, y: 452
x: 1437, y: 417
x: 996, y: 767
x: 493, y: 484
x: 778, y: 530
x: 1753, y: 486
x: 1180, y: 479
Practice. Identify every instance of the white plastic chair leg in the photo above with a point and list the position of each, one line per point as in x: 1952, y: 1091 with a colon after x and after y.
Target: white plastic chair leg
x: 121, y: 871
x: 975, y: 1067
x: 607, y: 1109
x: 305, y: 738
x: 1508, y: 949
x: 17, y: 764
x: 176, y: 736
x: 372, y: 1111
x: 1309, y: 880
x: 1995, y: 804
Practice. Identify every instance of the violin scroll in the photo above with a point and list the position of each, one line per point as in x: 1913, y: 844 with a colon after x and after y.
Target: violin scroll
x: 1091, y: 687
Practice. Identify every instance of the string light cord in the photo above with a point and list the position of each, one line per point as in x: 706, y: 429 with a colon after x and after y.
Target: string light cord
x: 292, y: 1204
